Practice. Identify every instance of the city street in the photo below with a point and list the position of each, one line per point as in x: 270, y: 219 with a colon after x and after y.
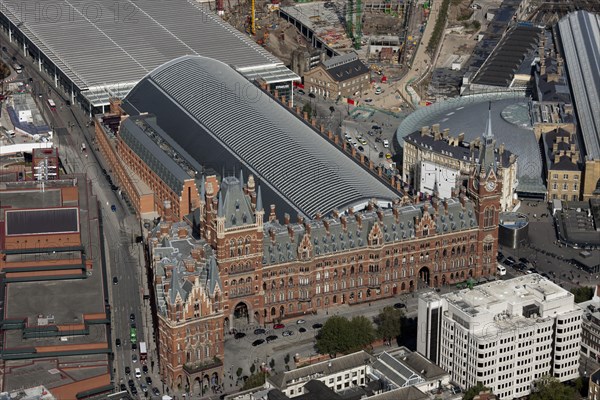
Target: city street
x: 124, y: 257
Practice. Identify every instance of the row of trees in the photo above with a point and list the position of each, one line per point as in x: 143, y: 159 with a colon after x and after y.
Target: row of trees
x: 340, y: 335
x: 439, y: 27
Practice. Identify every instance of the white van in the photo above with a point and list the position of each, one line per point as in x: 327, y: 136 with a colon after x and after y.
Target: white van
x: 501, y: 270
x: 138, y: 373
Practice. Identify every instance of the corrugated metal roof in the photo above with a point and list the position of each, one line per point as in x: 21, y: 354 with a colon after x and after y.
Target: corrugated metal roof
x: 50, y: 220
x: 283, y: 151
x: 580, y: 37
x: 131, y: 38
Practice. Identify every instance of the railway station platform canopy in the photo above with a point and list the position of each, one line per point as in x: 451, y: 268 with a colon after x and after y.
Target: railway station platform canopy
x: 106, y: 48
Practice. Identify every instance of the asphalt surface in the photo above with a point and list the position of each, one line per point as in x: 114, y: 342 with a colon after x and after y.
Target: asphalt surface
x: 124, y: 258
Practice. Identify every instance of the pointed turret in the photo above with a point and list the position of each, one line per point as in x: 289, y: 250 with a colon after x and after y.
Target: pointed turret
x: 220, y: 208
x: 486, y: 152
x: 436, y: 188
x: 241, y: 178
x: 259, y: 203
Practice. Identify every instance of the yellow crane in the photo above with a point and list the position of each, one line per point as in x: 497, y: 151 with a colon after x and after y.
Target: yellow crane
x: 252, y: 18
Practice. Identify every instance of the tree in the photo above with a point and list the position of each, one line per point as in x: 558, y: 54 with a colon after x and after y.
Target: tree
x: 474, y: 391
x: 252, y: 369
x: 307, y: 109
x: 272, y: 363
x: 583, y: 293
x: 286, y: 359
x: 549, y: 388
x: 389, y: 323
x: 239, y: 372
x: 334, y: 336
x: 255, y: 380
x: 339, y: 335
x: 363, y: 332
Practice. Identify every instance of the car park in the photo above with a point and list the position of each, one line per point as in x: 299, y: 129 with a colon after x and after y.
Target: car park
x: 278, y: 326
x: 271, y: 338
x: 259, y: 331
x: 258, y: 342
x: 287, y: 333
x: 300, y: 322
x: 317, y: 326
x: 239, y: 335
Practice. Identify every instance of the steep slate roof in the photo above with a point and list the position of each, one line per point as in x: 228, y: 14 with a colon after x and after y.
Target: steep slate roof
x: 173, y: 252
x: 237, y: 209
x: 211, y: 110
x: 345, y: 67
x: 284, y: 247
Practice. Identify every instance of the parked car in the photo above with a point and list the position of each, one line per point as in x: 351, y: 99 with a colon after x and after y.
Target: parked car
x: 500, y: 257
x: 134, y: 390
x: 133, y: 358
x: 510, y: 261
x: 113, y: 208
x: 259, y: 331
x: 311, y: 95
x: 317, y: 326
x: 287, y: 333
x: 155, y: 391
x: 399, y: 305
x: 128, y: 370
x: 144, y: 387
x: 302, y: 92
x: 524, y: 260
x: 133, y: 346
x: 132, y: 317
x: 123, y: 387
x: 258, y: 342
x: 386, y: 143
x: 145, y: 369
x: 302, y: 329
x: 360, y: 148
x: 271, y: 338
x: 118, y: 342
x: 239, y: 335
x: 138, y: 373
x: 300, y: 322
x: 115, y: 280
x: 381, y: 154
x: 278, y: 326
x: 149, y: 380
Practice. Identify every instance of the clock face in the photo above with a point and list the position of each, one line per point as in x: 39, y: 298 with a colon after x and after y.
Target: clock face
x: 490, y: 185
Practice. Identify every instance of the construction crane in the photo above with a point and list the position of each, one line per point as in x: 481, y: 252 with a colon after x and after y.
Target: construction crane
x: 354, y: 21
x: 252, y: 17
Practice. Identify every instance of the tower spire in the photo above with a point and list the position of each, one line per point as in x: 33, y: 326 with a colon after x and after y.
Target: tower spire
x: 488, y: 129
x: 259, y: 203
x: 486, y: 152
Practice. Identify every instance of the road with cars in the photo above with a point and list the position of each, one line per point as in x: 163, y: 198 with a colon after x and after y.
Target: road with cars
x: 124, y: 257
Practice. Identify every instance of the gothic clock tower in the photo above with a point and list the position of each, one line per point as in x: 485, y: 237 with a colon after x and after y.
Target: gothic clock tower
x: 485, y: 189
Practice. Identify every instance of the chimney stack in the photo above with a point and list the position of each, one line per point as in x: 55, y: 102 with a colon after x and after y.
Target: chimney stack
x: 286, y: 218
x: 272, y: 216
x: 344, y: 222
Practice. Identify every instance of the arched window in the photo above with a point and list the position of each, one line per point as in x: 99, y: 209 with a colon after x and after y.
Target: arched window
x: 488, y: 217
x: 231, y: 248
x: 247, y: 247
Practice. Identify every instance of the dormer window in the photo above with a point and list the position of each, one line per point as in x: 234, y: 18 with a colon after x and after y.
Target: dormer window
x: 425, y: 230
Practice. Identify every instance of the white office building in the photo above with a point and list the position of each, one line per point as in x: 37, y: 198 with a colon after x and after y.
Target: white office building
x: 504, y: 334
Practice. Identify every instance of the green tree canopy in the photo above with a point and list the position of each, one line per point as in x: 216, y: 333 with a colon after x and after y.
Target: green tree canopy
x: 583, y: 293
x: 255, y: 380
x: 389, y: 323
x: 340, y: 335
x: 549, y: 388
x: 474, y: 391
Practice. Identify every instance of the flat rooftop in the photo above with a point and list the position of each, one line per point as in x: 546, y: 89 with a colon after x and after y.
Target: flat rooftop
x: 132, y: 37
x: 29, y: 199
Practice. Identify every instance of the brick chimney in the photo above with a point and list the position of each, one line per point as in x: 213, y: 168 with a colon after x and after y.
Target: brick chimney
x: 272, y: 216
x: 286, y: 219
x: 307, y: 228
x: 344, y: 222
x: 326, y: 225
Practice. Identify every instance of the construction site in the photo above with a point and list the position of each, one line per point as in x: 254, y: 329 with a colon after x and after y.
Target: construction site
x: 335, y: 27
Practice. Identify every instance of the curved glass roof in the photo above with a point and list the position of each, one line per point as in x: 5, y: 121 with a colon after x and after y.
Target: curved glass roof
x: 510, y: 126
x: 298, y: 163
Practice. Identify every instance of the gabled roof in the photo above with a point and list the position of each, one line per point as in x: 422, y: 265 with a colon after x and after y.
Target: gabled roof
x: 237, y: 209
x: 344, y: 67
